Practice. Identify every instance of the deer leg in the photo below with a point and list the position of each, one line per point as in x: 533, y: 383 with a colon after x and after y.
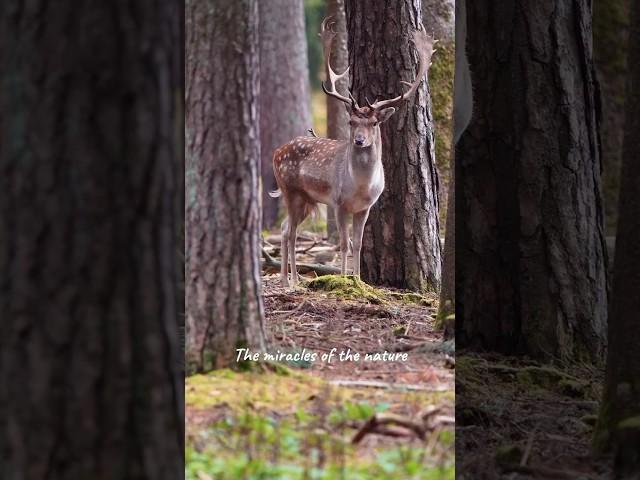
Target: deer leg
x: 293, y: 235
x: 343, y: 230
x: 297, y: 213
x: 359, y: 220
x: 284, y: 249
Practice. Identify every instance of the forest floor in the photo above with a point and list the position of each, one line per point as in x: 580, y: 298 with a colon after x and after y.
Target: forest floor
x: 339, y: 419
x: 518, y: 419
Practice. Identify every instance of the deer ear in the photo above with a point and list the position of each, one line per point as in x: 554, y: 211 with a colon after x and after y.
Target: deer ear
x: 385, y: 114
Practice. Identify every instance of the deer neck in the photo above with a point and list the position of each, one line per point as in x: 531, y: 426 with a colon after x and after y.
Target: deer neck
x: 365, y: 162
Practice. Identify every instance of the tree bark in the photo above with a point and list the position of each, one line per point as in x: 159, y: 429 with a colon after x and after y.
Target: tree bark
x: 439, y: 19
x: 610, y: 39
x: 401, y: 244
x: 90, y: 196
x: 530, y: 252
x: 619, y: 423
x: 337, y: 115
x: 224, y: 305
x: 285, y: 102
x: 446, y: 306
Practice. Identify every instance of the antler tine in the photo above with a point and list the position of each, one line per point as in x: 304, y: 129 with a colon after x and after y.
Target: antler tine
x: 327, y: 34
x: 424, y: 44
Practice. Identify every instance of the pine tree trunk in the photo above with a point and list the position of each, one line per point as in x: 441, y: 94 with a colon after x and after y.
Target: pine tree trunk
x: 439, y: 19
x: 530, y: 252
x: 401, y: 244
x: 610, y: 38
x: 337, y: 116
x: 285, y: 102
x: 91, y: 384
x: 224, y: 306
x: 446, y: 308
x: 621, y: 401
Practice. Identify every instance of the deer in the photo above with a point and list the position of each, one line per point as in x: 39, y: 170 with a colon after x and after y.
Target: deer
x: 347, y: 175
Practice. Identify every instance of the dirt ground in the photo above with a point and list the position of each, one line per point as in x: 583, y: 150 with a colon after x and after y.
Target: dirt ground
x: 518, y: 419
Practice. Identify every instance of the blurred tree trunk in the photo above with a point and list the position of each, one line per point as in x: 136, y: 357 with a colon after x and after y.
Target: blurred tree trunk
x: 439, y: 19
x: 401, y: 244
x: 285, y: 102
x: 619, y: 423
x: 91, y: 165
x: 530, y: 253
x: 224, y: 305
x: 337, y: 115
x: 610, y: 35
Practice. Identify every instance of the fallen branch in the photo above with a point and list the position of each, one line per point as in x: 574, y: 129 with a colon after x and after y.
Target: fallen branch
x: 303, y: 268
x: 394, y: 425
x: 388, y: 386
x: 387, y: 422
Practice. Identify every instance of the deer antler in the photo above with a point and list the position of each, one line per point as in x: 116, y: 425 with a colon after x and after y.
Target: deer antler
x: 424, y: 44
x: 327, y: 35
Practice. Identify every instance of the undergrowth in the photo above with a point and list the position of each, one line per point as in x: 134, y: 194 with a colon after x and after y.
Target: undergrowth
x: 295, y: 426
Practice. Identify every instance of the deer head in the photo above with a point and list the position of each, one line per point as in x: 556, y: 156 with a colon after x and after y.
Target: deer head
x: 364, y: 121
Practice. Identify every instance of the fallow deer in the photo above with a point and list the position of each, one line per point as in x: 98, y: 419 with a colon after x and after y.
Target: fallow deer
x: 345, y: 174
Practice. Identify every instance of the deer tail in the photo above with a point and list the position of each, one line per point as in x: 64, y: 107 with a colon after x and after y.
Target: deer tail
x: 276, y: 193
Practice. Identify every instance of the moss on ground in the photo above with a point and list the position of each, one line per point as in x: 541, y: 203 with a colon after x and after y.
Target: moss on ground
x: 351, y: 287
x: 469, y: 374
x: 275, y: 391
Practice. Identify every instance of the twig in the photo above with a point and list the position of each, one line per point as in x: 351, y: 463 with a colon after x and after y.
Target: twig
x: 305, y: 250
x: 527, y: 450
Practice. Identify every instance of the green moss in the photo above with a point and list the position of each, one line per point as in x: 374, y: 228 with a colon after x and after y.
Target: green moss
x: 353, y: 288
x: 508, y: 454
x: 441, y: 76
x: 629, y: 423
x: 348, y: 287
x: 283, y: 390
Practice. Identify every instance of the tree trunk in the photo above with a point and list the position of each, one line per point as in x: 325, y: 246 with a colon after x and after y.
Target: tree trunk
x: 401, y: 244
x: 224, y: 305
x: 285, y: 103
x: 446, y: 307
x: 90, y: 192
x: 337, y: 115
x: 610, y: 38
x: 439, y: 19
x: 619, y: 423
x: 531, y: 254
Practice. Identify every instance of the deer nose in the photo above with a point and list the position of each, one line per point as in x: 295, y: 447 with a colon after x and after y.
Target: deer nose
x: 359, y: 140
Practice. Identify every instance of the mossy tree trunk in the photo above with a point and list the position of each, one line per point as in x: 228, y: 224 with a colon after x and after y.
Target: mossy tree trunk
x: 619, y: 424
x: 224, y: 305
x: 337, y: 116
x: 91, y: 162
x: 610, y: 38
x: 401, y: 244
x: 530, y: 252
x: 285, y: 102
x: 439, y: 17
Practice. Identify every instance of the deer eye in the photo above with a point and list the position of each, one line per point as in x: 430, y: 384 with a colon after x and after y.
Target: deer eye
x: 375, y: 124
